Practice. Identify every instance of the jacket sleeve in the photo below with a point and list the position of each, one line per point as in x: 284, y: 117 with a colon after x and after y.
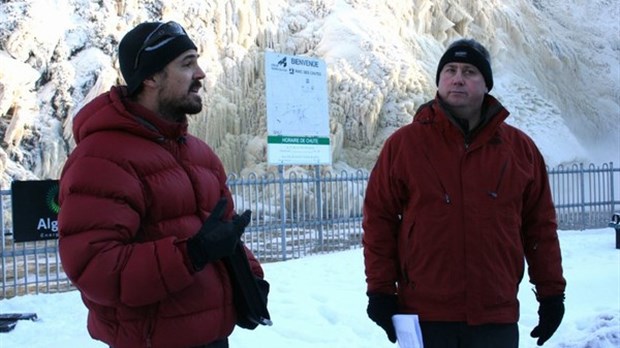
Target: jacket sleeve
x: 381, y: 222
x: 101, y: 208
x: 539, y: 228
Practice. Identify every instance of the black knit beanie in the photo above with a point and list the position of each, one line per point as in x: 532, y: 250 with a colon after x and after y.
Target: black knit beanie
x: 150, y: 61
x: 470, y: 55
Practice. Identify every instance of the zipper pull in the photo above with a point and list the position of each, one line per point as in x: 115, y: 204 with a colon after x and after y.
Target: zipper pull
x: 446, y: 198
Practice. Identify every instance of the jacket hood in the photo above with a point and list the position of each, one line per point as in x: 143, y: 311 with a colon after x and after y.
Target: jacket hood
x: 113, y: 111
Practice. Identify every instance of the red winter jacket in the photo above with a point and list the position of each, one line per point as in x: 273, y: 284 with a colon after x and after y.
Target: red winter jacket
x: 131, y: 193
x: 448, y: 221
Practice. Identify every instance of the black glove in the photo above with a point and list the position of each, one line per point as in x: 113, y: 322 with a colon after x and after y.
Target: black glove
x: 216, y: 238
x: 381, y: 308
x: 242, y: 221
x: 263, y: 289
x: 550, y: 314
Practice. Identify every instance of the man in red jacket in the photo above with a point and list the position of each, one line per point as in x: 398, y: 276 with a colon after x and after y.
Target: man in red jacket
x: 455, y: 204
x: 146, y: 217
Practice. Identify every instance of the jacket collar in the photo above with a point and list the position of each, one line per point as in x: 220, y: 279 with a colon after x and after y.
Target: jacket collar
x: 493, y: 116
x: 493, y: 112
x: 114, y: 111
x: 154, y: 122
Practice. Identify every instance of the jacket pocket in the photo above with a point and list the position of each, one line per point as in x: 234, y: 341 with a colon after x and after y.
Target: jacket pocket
x: 206, y: 293
x: 504, y: 263
x: 427, y: 282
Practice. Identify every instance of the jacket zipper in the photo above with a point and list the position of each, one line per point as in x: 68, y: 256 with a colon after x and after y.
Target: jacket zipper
x: 446, y: 196
x: 149, y: 332
x: 499, y: 181
x: 150, y: 325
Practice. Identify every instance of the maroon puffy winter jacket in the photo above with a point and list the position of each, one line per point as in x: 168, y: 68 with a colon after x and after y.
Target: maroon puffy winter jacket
x: 131, y: 193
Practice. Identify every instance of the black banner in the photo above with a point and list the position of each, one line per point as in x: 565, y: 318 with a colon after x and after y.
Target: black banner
x: 35, y: 210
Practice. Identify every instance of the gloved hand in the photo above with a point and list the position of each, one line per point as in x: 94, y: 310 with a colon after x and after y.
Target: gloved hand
x: 381, y: 308
x: 242, y: 221
x: 216, y: 239
x: 550, y: 314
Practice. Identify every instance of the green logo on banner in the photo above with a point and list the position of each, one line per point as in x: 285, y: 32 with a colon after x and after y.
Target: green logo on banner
x: 52, y: 199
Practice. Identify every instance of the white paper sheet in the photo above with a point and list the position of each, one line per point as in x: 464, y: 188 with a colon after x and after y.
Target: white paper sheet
x: 408, y: 330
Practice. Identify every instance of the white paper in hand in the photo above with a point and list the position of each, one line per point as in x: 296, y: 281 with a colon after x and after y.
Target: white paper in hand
x: 408, y: 330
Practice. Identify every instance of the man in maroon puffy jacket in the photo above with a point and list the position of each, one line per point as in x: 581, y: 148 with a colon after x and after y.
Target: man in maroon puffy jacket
x: 455, y: 204
x: 146, y: 218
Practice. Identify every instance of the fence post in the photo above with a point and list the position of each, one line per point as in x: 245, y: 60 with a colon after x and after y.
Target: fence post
x: 611, y: 186
x: 282, y: 211
x: 319, y: 205
x: 582, y: 182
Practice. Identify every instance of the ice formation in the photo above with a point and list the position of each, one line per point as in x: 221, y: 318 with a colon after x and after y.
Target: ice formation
x: 556, y: 65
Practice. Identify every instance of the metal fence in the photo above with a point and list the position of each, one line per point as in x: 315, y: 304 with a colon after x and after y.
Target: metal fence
x: 295, y: 214
x: 585, y: 196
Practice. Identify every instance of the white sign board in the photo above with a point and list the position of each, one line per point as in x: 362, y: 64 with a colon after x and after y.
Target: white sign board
x: 297, y: 110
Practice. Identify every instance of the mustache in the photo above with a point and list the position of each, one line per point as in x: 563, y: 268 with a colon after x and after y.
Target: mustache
x: 195, y: 85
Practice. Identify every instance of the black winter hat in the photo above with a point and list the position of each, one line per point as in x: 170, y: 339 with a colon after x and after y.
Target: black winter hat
x: 470, y: 55
x: 148, y: 48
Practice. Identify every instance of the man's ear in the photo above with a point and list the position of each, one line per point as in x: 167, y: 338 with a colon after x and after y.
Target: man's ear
x: 151, y: 81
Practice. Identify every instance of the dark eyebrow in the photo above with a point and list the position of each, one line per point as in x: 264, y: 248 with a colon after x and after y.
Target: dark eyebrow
x: 190, y: 56
x: 467, y: 65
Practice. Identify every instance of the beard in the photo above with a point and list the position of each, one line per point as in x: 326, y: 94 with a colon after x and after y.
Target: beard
x: 176, y: 107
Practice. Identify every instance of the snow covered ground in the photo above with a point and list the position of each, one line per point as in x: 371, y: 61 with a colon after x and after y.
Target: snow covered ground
x: 320, y: 302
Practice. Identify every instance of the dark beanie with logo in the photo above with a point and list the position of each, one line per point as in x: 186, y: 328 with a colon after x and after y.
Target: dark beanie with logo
x: 467, y: 54
x: 150, y: 61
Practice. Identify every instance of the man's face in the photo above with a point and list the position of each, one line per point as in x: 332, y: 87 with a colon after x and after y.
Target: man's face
x: 179, y: 87
x: 461, y: 86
